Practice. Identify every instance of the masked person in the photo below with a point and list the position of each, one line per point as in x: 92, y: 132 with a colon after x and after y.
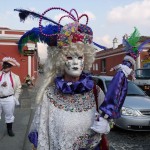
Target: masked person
x: 66, y: 117
x: 10, y: 89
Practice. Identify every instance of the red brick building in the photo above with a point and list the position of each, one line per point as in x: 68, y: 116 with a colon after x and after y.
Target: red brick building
x: 106, y: 59
x: 9, y: 48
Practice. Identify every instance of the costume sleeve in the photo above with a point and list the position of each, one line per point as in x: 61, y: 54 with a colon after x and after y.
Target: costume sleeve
x: 117, y: 67
x: 38, y: 134
x: 115, y: 96
x: 17, y: 87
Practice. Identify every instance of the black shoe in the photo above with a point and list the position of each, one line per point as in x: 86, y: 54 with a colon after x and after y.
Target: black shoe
x: 10, y: 133
x: 9, y: 129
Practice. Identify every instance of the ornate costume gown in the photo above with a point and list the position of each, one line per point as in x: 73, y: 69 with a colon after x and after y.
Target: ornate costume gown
x: 63, y: 121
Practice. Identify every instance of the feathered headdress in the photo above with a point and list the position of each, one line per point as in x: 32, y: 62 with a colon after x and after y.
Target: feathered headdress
x: 55, y: 34
x: 132, y: 46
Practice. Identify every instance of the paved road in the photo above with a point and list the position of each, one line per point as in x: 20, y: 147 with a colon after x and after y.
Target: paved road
x: 129, y: 140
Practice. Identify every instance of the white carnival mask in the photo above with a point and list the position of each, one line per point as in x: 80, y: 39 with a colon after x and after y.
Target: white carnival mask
x: 74, y: 65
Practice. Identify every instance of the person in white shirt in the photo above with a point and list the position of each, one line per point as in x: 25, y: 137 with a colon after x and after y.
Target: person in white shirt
x: 10, y: 89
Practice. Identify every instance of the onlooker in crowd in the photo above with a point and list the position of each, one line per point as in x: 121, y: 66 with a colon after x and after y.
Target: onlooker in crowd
x: 29, y: 80
x: 10, y: 89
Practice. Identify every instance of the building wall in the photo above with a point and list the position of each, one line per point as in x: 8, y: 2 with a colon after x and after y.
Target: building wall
x: 109, y: 63
x: 35, y: 65
x: 9, y: 48
x: 112, y: 58
x: 14, y: 32
x: 11, y: 51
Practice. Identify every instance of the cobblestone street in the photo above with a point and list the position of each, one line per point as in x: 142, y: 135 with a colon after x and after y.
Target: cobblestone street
x: 129, y: 140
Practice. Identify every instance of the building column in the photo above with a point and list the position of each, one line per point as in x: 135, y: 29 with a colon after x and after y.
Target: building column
x: 29, y: 65
x: 30, y: 46
x: 138, y: 63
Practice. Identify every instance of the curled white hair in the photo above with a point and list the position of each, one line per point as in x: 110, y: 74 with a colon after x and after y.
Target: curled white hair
x: 55, y: 62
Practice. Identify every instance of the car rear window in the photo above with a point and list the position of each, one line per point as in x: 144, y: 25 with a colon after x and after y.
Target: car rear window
x: 133, y: 90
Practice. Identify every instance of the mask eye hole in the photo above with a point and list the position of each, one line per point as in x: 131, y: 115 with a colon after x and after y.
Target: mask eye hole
x: 69, y: 57
x: 80, y: 57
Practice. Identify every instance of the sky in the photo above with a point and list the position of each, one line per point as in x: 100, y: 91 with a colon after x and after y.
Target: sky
x: 107, y: 18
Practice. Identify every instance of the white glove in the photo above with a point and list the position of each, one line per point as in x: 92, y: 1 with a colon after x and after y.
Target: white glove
x: 101, y: 126
x: 16, y: 101
x: 127, y: 71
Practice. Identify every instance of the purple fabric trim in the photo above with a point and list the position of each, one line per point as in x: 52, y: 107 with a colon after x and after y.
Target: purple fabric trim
x: 97, y: 147
x: 115, y: 96
x: 85, y: 84
x: 33, y: 138
x: 127, y: 63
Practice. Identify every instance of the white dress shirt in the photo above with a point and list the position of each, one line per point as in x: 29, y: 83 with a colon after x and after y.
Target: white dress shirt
x: 8, y: 90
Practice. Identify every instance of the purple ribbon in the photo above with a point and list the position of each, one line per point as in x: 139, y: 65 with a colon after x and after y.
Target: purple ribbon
x: 33, y: 138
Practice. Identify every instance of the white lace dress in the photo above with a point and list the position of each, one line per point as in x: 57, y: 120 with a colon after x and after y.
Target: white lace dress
x: 63, y: 121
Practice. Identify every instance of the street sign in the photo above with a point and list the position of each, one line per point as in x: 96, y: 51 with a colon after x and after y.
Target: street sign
x: 28, y: 52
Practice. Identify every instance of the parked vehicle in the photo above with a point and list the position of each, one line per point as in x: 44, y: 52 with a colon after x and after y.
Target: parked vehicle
x: 143, y: 79
x: 135, y: 113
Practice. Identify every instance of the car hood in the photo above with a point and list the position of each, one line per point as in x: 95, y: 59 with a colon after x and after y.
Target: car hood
x: 137, y: 102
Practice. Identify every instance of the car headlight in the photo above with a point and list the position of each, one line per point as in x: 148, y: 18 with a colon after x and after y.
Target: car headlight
x: 130, y: 112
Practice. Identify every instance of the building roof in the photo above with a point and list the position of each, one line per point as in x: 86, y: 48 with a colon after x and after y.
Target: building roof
x: 4, y: 28
x: 10, y: 34
x: 117, y: 50
x: 143, y: 38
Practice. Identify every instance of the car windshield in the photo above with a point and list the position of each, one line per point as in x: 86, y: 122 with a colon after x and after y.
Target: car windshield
x: 142, y: 73
x: 133, y: 90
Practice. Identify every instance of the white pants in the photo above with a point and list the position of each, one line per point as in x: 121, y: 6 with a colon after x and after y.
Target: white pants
x: 7, y: 105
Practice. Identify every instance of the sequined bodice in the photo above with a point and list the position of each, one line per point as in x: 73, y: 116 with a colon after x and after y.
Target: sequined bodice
x: 70, y: 119
x: 63, y: 121
x: 71, y: 102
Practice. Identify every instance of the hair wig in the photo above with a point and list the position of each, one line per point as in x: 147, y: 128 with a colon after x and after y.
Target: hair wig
x: 55, y: 62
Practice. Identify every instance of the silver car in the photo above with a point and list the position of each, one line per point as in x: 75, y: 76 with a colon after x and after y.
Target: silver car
x: 135, y: 113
